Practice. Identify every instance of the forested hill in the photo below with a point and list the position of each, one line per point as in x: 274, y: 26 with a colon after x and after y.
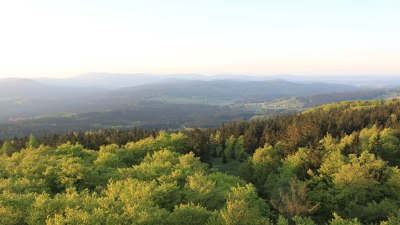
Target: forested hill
x: 334, y: 164
x: 238, y: 90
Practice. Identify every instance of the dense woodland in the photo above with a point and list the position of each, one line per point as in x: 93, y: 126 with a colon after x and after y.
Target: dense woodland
x: 145, y: 115
x: 334, y: 164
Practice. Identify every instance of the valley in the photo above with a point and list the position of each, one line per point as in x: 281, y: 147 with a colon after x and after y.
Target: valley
x: 31, y: 107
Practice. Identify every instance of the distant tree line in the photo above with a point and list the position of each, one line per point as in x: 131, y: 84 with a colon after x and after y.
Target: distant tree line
x: 89, y: 139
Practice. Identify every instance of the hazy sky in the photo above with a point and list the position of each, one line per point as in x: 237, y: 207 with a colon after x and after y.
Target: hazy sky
x: 313, y: 37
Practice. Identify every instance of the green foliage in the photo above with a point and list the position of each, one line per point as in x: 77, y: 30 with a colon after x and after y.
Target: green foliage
x: 360, y: 179
x: 245, y: 208
x: 134, y: 152
x: 337, y: 220
x: 340, y: 159
x: 230, y: 147
x: 303, y: 221
x: 212, y: 190
x: 7, y: 148
x: 32, y: 142
x: 394, y: 219
x: 388, y: 143
x: 263, y: 164
x: 146, y: 182
x: 282, y: 220
x: 231, y: 167
x: 190, y: 214
x: 199, y: 143
x: 239, y: 151
x: 14, y: 207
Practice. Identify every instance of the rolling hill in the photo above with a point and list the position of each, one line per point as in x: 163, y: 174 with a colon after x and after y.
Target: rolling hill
x: 28, y: 106
x: 237, y: 90
x: 24, y: 98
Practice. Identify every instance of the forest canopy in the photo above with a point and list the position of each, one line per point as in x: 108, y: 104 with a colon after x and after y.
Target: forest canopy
x: 334, y: 164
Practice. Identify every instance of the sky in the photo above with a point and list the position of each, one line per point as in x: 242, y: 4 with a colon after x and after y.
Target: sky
x: 54, y: 38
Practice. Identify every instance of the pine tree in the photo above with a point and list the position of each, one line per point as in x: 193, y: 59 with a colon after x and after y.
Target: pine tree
x: 32, y: 142
x: 7, y: 148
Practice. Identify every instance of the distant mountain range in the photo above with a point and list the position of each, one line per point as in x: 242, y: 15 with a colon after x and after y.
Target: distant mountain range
x: 147, y: 87
x: 22, y: 98
x: 236, y: 90
x: 27, y: 88
x: 94, y: 101
x: 104, y: 80
x: 120, y: 80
